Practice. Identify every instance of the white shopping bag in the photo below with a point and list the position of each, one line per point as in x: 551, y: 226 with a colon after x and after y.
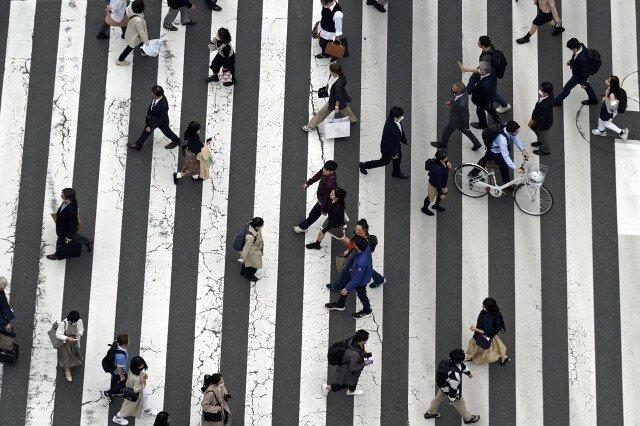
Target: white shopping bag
x: 337, y: 128
x: 224, y: 76
x: 153, y: 48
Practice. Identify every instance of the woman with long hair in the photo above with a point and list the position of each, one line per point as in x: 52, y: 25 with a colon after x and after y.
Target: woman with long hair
x: 609, y: 109
x: 338, y: 99
x: 190, y: 150
x: 336, y: 220
x: 215, y: 410
x: 135, y: 402
x: 485, y: 346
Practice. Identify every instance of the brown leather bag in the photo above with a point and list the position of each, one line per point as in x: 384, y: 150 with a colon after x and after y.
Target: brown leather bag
x: 315, y: 32
x: 112, y: 23
x: 334, y: 49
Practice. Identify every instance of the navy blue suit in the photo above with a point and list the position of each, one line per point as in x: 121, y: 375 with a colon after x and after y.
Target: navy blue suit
x: 392, y: 138
x: 158, y: 118
x: 483, y: 93
x: 579, y: 75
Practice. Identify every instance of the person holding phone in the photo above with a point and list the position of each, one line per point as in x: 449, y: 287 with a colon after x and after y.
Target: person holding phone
x: 190, y: 150
x: 69, y: 331
x: 354, y: 359
x: 215, y: 409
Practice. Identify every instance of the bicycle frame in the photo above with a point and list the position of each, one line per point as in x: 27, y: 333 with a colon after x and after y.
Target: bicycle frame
x: 495, y: 190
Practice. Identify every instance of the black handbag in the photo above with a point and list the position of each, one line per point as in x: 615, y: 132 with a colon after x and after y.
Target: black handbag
x: 220, y: 416
x: 69, y: 250
x: 482, y: 341
x: 129, y: 394
x: 323, y: 92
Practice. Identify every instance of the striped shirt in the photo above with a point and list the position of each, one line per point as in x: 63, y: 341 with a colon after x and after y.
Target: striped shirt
x: 453, y: 387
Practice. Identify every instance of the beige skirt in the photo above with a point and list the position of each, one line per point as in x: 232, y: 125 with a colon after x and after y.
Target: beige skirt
x: 480, y: 356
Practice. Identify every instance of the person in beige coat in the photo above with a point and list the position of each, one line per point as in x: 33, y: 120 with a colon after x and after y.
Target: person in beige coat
x: 137, y: 382
x: 252, y: 251
x: 215, y: 410
x: 136, y: 34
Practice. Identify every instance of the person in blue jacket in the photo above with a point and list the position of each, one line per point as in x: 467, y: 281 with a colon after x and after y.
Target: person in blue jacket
x: 579, y: 64
x: 392, y: 136
x: 361, y: 272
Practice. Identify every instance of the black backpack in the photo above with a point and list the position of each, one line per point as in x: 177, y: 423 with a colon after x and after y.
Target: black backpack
x: 109, y: 360
x: 238, y: 238
x: 498, y: 62
x: 490, y: 134
x: 622, y: 101
x: 594, y: 61
x: 442, y: 372
x: 336, y: 352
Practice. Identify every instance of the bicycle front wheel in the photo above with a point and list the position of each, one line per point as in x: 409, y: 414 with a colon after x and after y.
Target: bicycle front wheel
x: 469, y: 179
x: 533, y: 201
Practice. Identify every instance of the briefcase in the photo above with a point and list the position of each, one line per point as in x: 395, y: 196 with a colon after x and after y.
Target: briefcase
x: 67, y: 251
x: 334, y: 49
x: 9, y: 356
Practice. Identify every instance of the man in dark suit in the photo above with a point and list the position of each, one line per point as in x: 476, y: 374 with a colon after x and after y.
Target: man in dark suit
x: 483, y: 93
x: 392, y: 136
x: 157, y: 118
x: 67, y: 223
x: 458, y: 118
x: 542, y: 118
x: 579, y: 64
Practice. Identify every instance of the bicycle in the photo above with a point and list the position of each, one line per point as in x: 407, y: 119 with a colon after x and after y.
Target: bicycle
x: 529, y: 194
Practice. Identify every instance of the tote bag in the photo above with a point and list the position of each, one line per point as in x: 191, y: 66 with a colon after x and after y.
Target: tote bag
x: 337, y: 128
x: 55, y: 342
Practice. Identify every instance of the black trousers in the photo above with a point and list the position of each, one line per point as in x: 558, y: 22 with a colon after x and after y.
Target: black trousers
x: 335, y: 387
x: 77, y: 238
x: 116, y: 384
x: 384, y: 160
x: 569, y: 87
x: 165, y: 131
x: 127, y: 50
x: 222, y: 62
x: 248, y: 272
x: 448, y: 131
x: 482, y: 111
x: 104, y: 29
x: 499, y: 160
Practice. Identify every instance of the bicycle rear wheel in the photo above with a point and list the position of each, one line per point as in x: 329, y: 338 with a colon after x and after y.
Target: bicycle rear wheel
x: 533, y: 201
x: 466, y: 177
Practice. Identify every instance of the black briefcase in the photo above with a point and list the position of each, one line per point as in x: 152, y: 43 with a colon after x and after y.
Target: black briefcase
x: 67, y: 251
x: 9, y: 356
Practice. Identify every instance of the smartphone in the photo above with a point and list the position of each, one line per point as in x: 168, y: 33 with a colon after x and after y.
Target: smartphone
x: 368, y: 362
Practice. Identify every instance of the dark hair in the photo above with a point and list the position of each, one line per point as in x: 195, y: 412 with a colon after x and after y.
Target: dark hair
x: 225, y: 35
x: 340, y: 195
x: 546, y: 87
x: 330, y: 165
x: 336, y: 68
x: 360, y: 242
x: 192, y: 130
x: 484, y: 41
x: 137, y: 6
x: 573, y: 43
x: 326, y: 2
x: 122, y: 339
x: 459, y: 87
x: 456, y: 356
x: 162, y: 419
x: 363, y: 223
x: 441, y: 155
x: 512, y: 126
x: 256, y: 222
x: 361, y: 336
x: 157, y: 90
x: 73, y: 316
x: 69, y: 193
x: 396, y: 112
x: 491, y: 306
x: 137, y: 365
x: 614, y: 86
x: 209, y: 380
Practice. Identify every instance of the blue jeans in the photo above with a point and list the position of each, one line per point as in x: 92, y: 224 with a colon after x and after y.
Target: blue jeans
x: 569, y: 87
x: 343, y: 279
x: 500, y: 100
x: 314, y: 214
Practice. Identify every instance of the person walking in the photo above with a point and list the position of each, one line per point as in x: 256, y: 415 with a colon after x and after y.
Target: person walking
x: 392, y: 136
x: 327, y: 182
x: 190, y: 150
x: 458, y: 118
x: 67, y: 222
x: 354, y: 359
x: 157, y: 118
x: 6, y: 313
x: 485, y: 346
x: 115, y: 16
x: 162, y: 419
x: 136, y: 33
x: 378, y: 5
x: 449, y: 383
x: 215, y: 409
x: 542, y: 118
x: 579, y: 64
x: 175, y: 6
x: 437, y: 186
x: 119, y: 373
x: 336, y: 220
x: 338, y: 99
x: 483, y: 93
x: 69, y: 332
x: 330, y: 27
x: 547, y: 14
x: 137, y: 404
x: 252, y: 251
x: 225, y: 59
x: 609, y: 109
x: 361, y: 272
x: 499, y: 152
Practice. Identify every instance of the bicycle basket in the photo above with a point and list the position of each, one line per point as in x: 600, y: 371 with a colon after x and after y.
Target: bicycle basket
x: 535, y: 175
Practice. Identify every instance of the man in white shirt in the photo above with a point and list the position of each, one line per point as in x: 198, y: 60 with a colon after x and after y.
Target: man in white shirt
x: 499, y: 151
x: 330, y: 28
x: 115, y: 10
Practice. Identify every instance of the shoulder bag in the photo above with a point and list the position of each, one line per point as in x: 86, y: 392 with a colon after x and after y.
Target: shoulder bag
x: 130, y: 395
x: 214, y: 417
x: 55, y: 342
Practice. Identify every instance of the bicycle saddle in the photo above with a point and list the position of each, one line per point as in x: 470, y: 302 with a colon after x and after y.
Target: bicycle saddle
x: 491, y: 165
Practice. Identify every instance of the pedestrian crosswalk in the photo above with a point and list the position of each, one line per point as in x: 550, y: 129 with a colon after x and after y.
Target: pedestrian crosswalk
x: 163, y: 270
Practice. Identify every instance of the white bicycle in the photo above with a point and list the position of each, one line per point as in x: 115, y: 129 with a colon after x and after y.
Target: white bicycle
x: 529, y: 194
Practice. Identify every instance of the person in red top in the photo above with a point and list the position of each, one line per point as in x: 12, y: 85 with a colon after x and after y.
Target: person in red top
x: 328, y: 182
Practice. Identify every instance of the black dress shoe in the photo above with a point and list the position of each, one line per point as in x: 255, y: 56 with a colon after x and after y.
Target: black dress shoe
x: 379, y: 7
x: 540, y: 152
x: 52, y: 257
x: 313, y: 246
x: 320, y: 56
x: 175, y: 178
x: 588, y: 102
x: 370, y: 2
x: 536, y: 143
x: 214, y: 7
x: 134, y: 146
x: 477, y: 125
x: 211, y: 78
x: 427, y: 211
x: 476, y: 147
x: 438, y: 145
x: 400, y: 175
x: 557, y: 31
x: 102, y: 36
x: 362, y: 169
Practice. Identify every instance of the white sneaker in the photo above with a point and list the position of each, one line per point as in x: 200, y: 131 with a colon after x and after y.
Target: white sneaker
x: 502, y: 110
x: 123, y: 63
x: 150, y: 412
x: 298, y: 230
x: 355, y: 392
x: 625, y: 134
x: 325, y: 392
x: 597, y: 132
x: 307, y: 129
x: 120, y: 420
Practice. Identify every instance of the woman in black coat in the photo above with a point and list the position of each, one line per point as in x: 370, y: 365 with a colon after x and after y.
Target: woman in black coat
x: 335, y: 223
x: 485, y: 346
x: 338, y: 99
x: 225, y: 59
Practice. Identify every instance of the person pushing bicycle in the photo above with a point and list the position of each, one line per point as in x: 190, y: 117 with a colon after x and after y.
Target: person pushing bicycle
x: 499, y: 151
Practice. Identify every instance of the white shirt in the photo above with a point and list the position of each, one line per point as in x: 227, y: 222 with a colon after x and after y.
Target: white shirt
x: 458, y: 97
x: 118, y: 9
x: 332, y: 80
x: 501, y: 145
x: 62, y: 327
x: 399, y: 126
x: 155, y: 101
x: 337, y: 20
x: 540, y: 99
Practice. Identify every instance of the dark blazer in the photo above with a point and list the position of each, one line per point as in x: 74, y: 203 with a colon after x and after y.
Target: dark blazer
x: 543, y: 114
x: 484, y: 91
x: 159, y: 115
x: 67, y: 221
x: 459, y: 112
x: 6, y: 314
x: 392, y: 137
x: 339, y: 93
x: 177, y: 4
x: 580, y: 66
x: 438, y: 176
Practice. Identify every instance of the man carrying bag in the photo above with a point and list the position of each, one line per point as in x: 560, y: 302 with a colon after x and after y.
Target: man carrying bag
x: 69, y: 242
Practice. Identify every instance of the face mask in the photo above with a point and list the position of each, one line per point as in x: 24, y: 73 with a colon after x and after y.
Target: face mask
x: 400, y: 119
